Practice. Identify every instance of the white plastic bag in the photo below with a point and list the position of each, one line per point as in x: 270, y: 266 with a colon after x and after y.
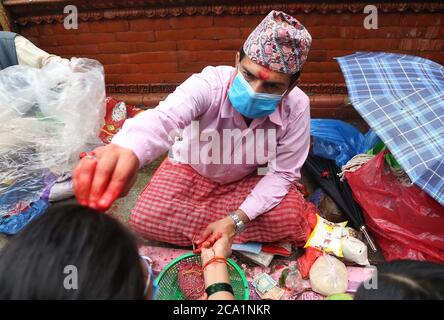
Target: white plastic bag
x: 355, y: 250
x: 47, y: 117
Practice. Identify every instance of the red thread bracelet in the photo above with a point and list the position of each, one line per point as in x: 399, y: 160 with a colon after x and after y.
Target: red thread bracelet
x: 215, y: 259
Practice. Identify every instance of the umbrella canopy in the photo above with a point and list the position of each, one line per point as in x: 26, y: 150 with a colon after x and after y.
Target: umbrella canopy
x: 401, y: 97
x: 325, y: 173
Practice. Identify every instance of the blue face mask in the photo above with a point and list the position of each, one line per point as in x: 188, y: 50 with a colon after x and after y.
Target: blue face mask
x: 249, y: 103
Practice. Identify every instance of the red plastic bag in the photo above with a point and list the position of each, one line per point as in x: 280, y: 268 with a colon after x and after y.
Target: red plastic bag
x: 406, y: 222
x: 305, y: 262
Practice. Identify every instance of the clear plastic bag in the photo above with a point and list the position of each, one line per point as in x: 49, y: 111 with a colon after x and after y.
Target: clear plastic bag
x: 48, y: 116
x: 328, y: 276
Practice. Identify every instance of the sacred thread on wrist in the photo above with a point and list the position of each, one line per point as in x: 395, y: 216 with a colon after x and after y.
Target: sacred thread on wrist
x: 214, y: 259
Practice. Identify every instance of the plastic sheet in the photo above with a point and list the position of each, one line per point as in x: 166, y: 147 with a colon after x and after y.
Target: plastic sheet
x: 339, y: 141
x: 48, y: 116
x: 11, y: 225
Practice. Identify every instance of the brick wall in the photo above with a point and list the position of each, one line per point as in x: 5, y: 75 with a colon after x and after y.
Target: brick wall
x: 168, y: 50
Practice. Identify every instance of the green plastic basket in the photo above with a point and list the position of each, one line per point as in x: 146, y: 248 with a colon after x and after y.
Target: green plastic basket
x: 169, y: 287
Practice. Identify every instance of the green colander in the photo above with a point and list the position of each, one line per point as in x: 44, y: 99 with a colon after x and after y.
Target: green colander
x: 169, y: 287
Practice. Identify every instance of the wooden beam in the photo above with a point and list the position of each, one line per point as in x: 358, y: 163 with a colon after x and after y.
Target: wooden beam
x: 51, y: 11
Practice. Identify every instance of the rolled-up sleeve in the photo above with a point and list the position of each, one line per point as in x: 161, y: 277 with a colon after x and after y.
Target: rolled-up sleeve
x: 30, y: 55
x: 151, y: 132
x: 291, y: 153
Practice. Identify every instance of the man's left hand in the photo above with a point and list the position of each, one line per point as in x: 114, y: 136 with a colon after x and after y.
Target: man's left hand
x: 226, y: 226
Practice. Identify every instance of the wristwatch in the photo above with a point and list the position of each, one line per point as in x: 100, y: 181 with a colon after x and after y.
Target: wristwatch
x: 238, y: 223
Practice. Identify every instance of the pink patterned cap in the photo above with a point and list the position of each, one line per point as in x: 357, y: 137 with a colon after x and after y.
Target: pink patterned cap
x: 280, y: 43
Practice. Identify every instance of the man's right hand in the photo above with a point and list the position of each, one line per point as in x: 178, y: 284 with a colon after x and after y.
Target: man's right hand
x: 99, y: 181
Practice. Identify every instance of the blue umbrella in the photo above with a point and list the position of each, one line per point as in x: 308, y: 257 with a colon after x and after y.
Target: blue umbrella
x: 401, y: 97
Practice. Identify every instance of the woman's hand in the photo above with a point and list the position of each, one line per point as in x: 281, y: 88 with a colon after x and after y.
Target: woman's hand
x: 217, y: 272
x: 220, y: 248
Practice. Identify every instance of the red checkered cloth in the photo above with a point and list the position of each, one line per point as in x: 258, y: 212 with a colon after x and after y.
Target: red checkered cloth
x: 178, y: 203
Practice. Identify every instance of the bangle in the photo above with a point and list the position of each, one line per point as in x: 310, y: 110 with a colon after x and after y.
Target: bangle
x: 214, y: 259
x: 218, y: 287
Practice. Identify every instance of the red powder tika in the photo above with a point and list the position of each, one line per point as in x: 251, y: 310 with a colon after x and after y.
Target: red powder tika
x: 264, y: 74
x: 191, y: 280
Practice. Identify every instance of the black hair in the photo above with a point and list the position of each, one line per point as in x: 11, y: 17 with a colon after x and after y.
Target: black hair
x: 36, y: 263
x: 406, y: 280
x: 294, y: 77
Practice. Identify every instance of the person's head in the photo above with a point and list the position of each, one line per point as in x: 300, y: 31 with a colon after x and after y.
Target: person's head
x: 405, y: 280
x: 269, y: 64
x: 262, y: 79
x: 72, y: 252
